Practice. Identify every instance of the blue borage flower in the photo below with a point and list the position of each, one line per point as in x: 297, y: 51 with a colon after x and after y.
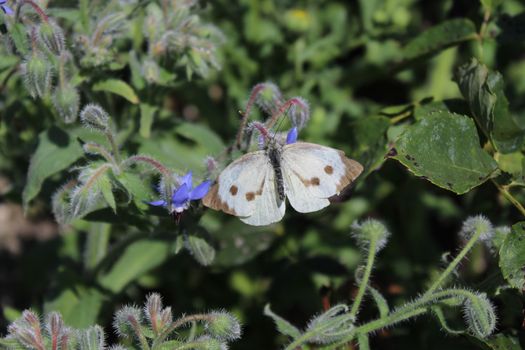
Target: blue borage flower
x: 7, y: 10
x: 181, y: 197
x: 292, y: 136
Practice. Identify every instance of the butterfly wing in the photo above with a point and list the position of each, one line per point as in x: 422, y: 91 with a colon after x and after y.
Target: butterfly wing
x: 246, y: 188
x: 313, y: 173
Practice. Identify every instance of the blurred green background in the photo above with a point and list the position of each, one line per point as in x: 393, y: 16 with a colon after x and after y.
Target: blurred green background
x: 349, y: 60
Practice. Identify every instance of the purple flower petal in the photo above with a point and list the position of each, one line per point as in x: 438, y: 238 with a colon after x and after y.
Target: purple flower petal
x: 7, y: 10
x: 159, y: 203
x: 187, y: 179
x: 292, y: 136
x: 200, y: 191
x: 181, y: 195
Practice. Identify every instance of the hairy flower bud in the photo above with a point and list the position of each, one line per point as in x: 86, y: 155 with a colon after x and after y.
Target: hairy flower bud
x: 299, y: 112
x: 92, y: 338
x: 268, y: 97
x: 67, y: 102
x: 151, y: 71
x: 52, y: 37
x: 478, y: 224
x: 127, y: 321
x: 93, y: 116
x: 223, y: 326
x: 208, y: 343
x: 37, y: 74
x: 369, y: 231
x: 479, y: 315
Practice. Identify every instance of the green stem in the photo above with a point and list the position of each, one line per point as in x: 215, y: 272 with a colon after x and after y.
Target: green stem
x: 510, y: 197
x: 454, y: 263
x: 111, y: 138
x: 364, y: 282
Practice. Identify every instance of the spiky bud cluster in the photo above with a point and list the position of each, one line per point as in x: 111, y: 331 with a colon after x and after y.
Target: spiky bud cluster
x: 158, y: 317
x: 95, y: 117
x: 224, y: 326
x: 369, y: 231
x: 38, y: 73
x: 52, y: 37
x: 92, y: 338
x: 477, y: 225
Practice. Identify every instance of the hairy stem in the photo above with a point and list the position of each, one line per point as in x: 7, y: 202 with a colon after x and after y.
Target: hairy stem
x: 364, y: 282
x: 503, y: 190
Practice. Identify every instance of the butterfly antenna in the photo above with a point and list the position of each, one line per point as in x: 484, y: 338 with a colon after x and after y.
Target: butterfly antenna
x: 280, y: 122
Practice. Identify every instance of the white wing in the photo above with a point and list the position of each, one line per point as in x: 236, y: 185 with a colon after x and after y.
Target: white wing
x: 246, y: 188
x: 313, y: 173
x: 268, y: 207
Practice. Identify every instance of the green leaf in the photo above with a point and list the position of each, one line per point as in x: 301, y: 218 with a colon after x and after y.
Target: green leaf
x: 503, y: 342
x: 117, y: 87
x: 78, y: 305
x: 133, y: 261
x: 147, y: 113
x: 56, y: 151
x: 490, y: 5
x: 19, y: 37
x: 380, y: 301
x: 97, y: 244
x: 368, y: 142
x: 238, y: 242
x: 106, y: 188
x: 202, y: 135
x: 512, y: 256
x: 444, y: 148
x: 451, y: 105
x: 283, y: 326
x: 137, y: 188
x: 439, y: 37
x: 10, y: 313
x: 200, y: 249
x: 483, y: 90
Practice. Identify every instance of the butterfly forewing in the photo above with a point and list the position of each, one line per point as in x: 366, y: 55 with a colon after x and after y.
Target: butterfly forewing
x: 314, y: 173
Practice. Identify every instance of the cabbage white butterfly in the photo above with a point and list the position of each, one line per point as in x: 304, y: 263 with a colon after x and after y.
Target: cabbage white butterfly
x: 255, y: 186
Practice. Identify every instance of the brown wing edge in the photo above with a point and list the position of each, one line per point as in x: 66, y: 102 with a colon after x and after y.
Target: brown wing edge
x: 353, y: 170
x: 212, y: 200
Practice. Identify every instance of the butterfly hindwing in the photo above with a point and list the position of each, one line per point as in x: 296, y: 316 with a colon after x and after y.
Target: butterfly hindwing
x: 246, y: 188
x: 268, y: 207
x: 313, y: 173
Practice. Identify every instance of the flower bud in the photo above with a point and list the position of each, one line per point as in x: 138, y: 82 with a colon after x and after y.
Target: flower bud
x: 94, y: 117
x: 269, y: 98
x: 54, y: 325
x: 478, y: 224
x: 66, y: 101
x: 299, y: 112
x: 369, y: 231
x: 26, y: 330
x: 479, y: 315
x: 92, y: 338
x: 37, y: 74
x: 151, y: 71
x: 207, y: 343
x: 332, y: 325
x: 52, y: 37
x: 126, y: 320
x: 223, y: 326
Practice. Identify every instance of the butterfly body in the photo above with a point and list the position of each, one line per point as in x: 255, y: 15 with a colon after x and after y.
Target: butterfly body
x: 255, y: 186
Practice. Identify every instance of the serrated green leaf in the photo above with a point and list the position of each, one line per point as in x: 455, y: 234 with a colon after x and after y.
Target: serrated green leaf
x: 147, y: 113
x: 512, y: 256
x: 133, y: 261
x: 78, y: 305
x: 117, y: 87
x: 283, y: 326
x: 483, y: 90
x: 444, y: 148
x: 56, y: 151
x: 439, y: 37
